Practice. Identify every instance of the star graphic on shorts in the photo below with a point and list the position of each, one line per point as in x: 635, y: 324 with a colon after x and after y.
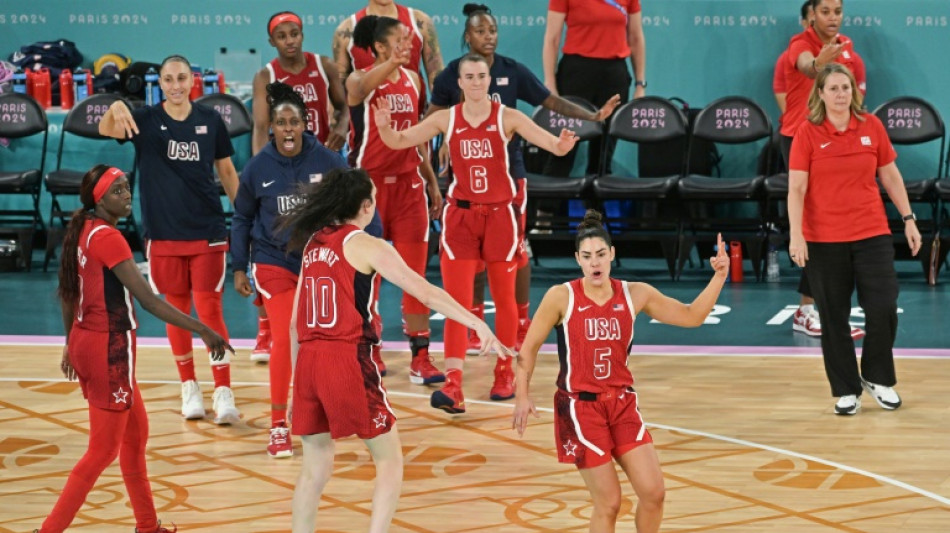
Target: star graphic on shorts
x: 570, y: 448
x: 380, y: 420
x: 120, y: 396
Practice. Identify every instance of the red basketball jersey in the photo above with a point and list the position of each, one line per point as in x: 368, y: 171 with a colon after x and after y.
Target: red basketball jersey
x: 312, y: 84
x: 593, y: 341
x: 367, y: 149
x: 336, y: 301
x: 104, y: 302
x: 479, y: 156
x: 362, y: 58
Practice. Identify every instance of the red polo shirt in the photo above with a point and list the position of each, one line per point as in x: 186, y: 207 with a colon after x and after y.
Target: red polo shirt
x: 843, y: 202
x: 596, y: 28
x: 798, y: 86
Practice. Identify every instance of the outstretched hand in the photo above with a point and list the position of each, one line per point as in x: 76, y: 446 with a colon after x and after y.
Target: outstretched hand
x: 490, y: 343
x: 382, y: 113
x: 608, y: 108
x: 720, y: 261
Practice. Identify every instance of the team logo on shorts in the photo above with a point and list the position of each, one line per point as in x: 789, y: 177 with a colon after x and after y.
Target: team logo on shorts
x: 120, y: 396
x: 570, y: 448
x: 380, y: 420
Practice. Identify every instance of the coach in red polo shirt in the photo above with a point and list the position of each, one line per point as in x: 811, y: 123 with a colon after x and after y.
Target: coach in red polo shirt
x: 839, y: 228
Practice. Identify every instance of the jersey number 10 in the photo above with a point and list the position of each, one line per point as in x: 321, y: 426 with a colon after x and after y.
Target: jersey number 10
x: 321, y: 301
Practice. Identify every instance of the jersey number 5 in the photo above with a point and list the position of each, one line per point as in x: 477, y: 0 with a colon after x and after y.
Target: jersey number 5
x: 602, y: 363
x: 321, y: 302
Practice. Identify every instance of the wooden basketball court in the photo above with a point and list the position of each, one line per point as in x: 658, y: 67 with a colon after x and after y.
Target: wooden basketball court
x: 748, y: 444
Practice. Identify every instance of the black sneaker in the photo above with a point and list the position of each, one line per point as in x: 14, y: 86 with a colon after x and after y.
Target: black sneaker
x: 886, y: 397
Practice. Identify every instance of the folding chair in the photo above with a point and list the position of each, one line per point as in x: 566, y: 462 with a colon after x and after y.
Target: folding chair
x: 238, y: 121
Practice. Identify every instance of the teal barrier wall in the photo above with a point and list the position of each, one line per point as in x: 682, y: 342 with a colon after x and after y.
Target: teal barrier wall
x: 697, y: 49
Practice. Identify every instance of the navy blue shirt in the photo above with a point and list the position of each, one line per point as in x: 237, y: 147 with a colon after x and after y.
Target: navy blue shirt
x: 268, y: 189
x: 510, y: 81
x: 179, y: 197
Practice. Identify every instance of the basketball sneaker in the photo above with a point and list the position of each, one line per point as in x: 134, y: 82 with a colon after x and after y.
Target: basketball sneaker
x: 807, y: 321
x: 377, y: 355
x: 192, y: 406
x: 504, y: 386
x: 422, y: 371
x: 225, y: 412
x: 474, y: 344
x: 161, y: 529
x: 523, y: 325
x: 280, y: 445
x: 848, y: 405
x: 261, y: 351
x: 886, y: 397
x: 449, y: 398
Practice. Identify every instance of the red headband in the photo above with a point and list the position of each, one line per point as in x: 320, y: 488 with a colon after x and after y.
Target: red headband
x: 105, y: 181
x: 283, y: 17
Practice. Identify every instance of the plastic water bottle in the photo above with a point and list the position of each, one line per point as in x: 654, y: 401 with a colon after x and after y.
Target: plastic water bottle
x: 772, y: 272
x: 19, y: 81
x: 80, y: 81
x: 67, y: 95
x: 152, y: 89
x: 210, y: 82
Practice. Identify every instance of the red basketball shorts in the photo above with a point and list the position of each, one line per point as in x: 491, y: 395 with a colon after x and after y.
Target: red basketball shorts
x: 271, y: 279
x: 589, y: 433
x: 338, y: 389
x: 201, y: 271
x: 403, y: 206
x: 105, y: 364
x: 480, y: 231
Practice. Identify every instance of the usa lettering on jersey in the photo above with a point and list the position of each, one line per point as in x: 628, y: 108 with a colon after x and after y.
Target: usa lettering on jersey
x: 476, y: 148
x: 286, y: 202
x: 183, y: 151
x: 602, y: 329
x: 401, y: 103
x: 321, y: 255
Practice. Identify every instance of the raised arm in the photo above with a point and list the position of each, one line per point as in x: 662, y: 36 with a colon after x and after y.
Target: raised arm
x: 359, y: 83
x: 260, y: 111
x: 675, y: 313
x: 117, y: 122
x: 419, y: 134
x: 340, y: 124
x: 549, y: 314
x: 130, y: 276
x: 893, y: 183
x: 340, y: 47
x: 551, y: 47
x: 431, y: 52
x: 517, y: 122
x: 563, y: 106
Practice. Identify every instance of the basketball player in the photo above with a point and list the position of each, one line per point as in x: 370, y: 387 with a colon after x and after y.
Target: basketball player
x: 596, y: 417
x: 337, y: 387
x: 179, y: 146
x: 404, y: 179
x: 268, y: 190
x: 97, y: 280
x: 479, y: 221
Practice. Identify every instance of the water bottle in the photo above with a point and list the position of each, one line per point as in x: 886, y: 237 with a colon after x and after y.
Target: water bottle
x: 735, y: 261
x: 772, y: 273
x: 197, y: 86
x: 152, y: 90
x: 80, y: 81
x: 19, y: 81
x: 222, y: 87
x: 66, y: 95
x: 210, y: 82
x: 43, y: 88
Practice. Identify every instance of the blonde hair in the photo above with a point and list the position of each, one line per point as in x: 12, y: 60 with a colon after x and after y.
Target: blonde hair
x: 816, y: 107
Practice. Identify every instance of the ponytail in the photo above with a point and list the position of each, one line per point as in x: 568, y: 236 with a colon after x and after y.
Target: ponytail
x: 68, y: 290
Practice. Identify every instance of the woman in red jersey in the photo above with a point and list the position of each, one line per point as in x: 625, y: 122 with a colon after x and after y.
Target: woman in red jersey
x: 479, y: 221
x: 404, y: 178
x: 596, y: 417
x: 97, y: 280
x: 839, y: 229
x: 338, y: 390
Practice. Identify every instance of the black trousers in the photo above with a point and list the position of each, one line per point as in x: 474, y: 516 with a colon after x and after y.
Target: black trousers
x: 803, y: 286
x: 595, y: 80
x: 835, y: 270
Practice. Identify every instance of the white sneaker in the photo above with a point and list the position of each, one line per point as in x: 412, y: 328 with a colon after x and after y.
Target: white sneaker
x: 848, y: 405
x: 192, y: 406
x: 807, y: 321
x: 886, y: 397
x: 225, y: 411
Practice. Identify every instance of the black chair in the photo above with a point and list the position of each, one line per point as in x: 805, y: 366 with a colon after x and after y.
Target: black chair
x: 238, y: 121
x: 82, y: 121
x: 540, y: 188
x: 913, y: 121
x: 716, y: 204
x: 654, y: 215
x: 21, y: 117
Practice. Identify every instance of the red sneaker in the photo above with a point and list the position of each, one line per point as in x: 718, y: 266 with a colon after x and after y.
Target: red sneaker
x: 504, y: 386
x: 261, y: 352
x: 449, y: 398
x: 378, y: 359
x: 523, y: 325
x: 422, y: 371
x: 474, y: 344
x: 280, y: 445
x: 161, y: 529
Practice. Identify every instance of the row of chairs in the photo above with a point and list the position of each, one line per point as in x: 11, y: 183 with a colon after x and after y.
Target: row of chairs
x: 24, y: 118
x: 685, y: 208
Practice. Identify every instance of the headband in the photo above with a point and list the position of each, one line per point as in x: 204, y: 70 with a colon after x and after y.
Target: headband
x: 283, y: 17
x: 105, y: 181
